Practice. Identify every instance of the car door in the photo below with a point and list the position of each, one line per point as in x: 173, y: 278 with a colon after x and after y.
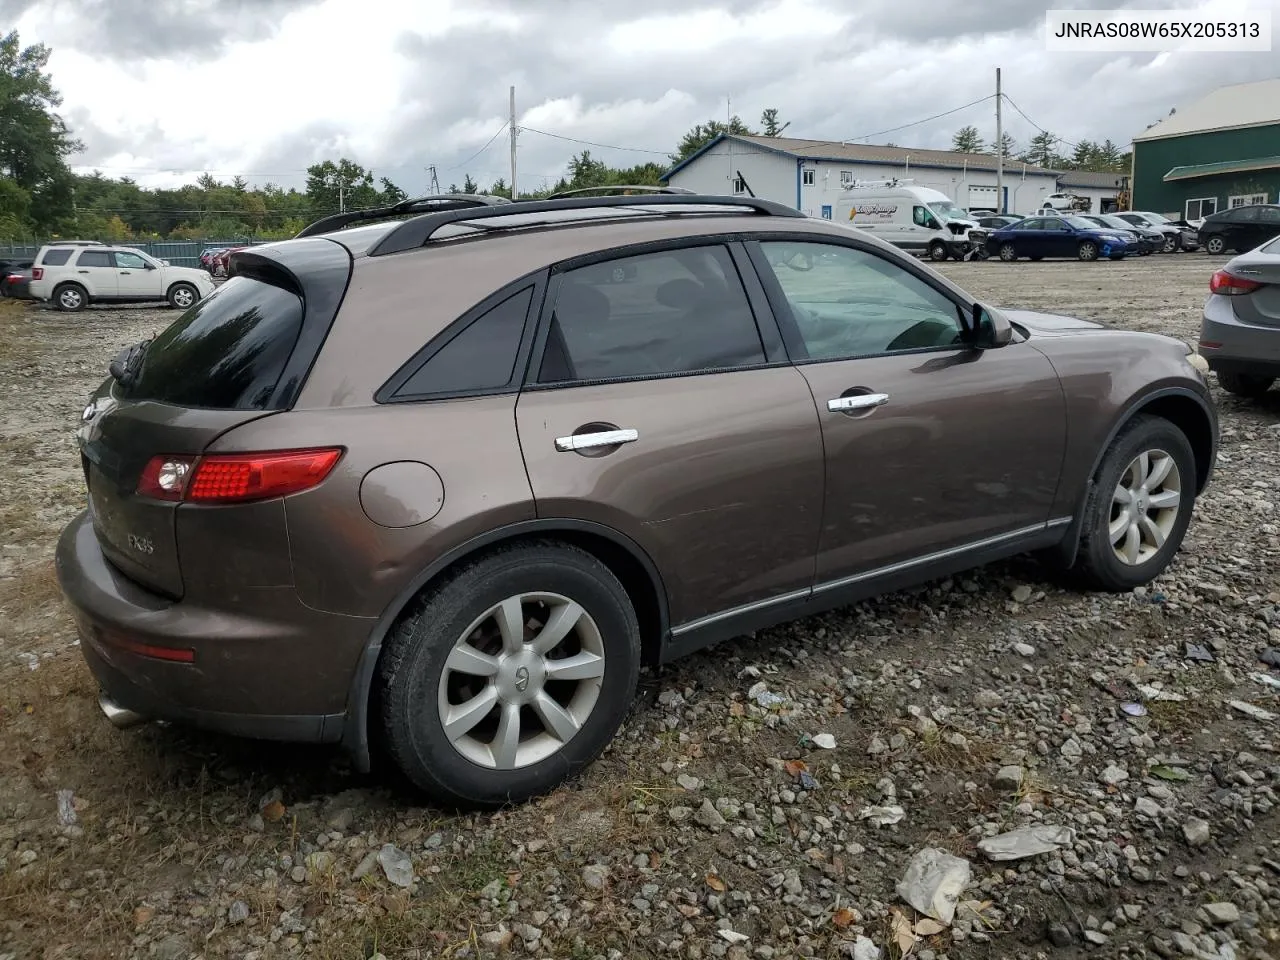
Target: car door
x: 657, y: 408
x: 1030, y: 239
x: 95, y: 270
x: 931, y: 446
x: 136, y: 278
x: 1059, y: 238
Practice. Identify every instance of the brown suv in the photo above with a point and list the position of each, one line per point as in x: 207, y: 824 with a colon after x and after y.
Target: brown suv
x: 446, y: 483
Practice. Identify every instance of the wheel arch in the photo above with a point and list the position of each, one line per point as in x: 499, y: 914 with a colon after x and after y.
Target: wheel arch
x: 626, y: 559
x: 1181, y: 406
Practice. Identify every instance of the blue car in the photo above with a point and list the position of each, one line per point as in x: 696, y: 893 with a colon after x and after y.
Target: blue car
x: 1065, y: 236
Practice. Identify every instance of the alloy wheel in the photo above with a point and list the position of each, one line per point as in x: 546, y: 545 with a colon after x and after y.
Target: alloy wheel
x: 183, y: 297
x: 1144, y: 507
x: 70, y: 298
x: 521, y: 681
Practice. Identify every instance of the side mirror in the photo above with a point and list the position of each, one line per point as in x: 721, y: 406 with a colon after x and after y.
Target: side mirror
x: 988, y: 328
x: 148, y: 264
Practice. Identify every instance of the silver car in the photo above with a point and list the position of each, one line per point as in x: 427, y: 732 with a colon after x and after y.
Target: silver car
x: 1240, y: 333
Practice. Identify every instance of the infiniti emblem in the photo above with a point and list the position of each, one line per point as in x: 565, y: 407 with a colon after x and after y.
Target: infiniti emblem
x: 522, y: 679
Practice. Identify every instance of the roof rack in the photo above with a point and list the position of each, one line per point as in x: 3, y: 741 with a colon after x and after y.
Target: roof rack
x: 442, y: 201
x: 582, y: 191
x: 416, y: 232
x: 75, y: 243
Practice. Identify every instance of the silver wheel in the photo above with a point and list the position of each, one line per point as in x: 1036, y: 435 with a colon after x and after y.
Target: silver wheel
x: 70, y: 298
x: 1144, y: 507
x: 521, y: 681
x: 1216, y: 245
x: 183, y: 297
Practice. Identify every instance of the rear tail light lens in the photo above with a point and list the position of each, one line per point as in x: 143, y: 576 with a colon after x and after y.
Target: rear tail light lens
x: 37, y: 273
x: 1231, y: 286
x: 236, y: 477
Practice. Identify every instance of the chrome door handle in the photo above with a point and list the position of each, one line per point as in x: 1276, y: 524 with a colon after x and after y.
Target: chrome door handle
x: 585, y: 441
x: 859, y: 402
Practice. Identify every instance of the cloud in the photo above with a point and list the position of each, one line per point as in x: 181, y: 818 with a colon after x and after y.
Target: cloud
x: 266, y: 87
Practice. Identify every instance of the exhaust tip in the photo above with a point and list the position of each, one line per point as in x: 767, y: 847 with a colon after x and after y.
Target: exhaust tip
x: 120, y: 717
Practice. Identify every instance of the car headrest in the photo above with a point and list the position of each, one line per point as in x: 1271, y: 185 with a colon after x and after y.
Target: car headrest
x: 580, y: 301
x: 680, y: 294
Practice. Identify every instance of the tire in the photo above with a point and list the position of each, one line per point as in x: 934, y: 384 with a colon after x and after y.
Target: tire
x: 1245, y: 384
x: 1087, y: 251
x: 1007, y: 253
x: 70, y: 297
x: 1172, y: 244
x: 419, y: 684
x: 1098, y: 564
x: 1215, y: 245
x: 182, y: 296
x: 938, y: 250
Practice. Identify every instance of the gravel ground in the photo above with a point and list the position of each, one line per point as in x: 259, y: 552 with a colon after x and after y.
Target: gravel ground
x: 765, y: 799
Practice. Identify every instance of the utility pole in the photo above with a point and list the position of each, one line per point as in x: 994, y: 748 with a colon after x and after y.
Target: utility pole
x: 433, y: 188
x: 1000, y: 205
x: 728, y: 131
x: 342, y: 202
x: 513, y: 142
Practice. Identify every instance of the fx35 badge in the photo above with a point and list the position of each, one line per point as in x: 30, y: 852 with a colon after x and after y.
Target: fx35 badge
x: 141, y: 544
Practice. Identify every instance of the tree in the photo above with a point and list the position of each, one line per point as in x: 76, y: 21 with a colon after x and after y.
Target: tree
x: 1042, y: 151
x: 967, y: 140
x: 346, y: 185
x: 469, y: 185
x: 390, y: 192
x: 703, y: 133
x: 1009, y: 144
x: 769, y: 122
x: 34, y: 140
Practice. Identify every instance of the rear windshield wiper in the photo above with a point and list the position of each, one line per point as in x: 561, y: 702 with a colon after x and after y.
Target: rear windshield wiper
x: 124, y: 368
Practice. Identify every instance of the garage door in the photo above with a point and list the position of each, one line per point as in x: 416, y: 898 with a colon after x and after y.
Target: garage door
x: 983, y: 198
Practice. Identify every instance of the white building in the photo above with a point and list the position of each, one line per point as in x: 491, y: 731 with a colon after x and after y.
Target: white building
x: 809, y: 174
x: 1102, y: 189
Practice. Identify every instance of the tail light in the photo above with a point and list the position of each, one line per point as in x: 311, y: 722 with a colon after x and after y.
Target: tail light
x: 236, y: 477
x: 1232, y: 286
x: 37, y: 273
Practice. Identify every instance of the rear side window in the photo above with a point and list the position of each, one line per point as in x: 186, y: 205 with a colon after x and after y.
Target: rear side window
x: 672, y: 312
x: 94, y: 258
x: 225, y: 353
x: 482, y: 356
x: 56, y: 258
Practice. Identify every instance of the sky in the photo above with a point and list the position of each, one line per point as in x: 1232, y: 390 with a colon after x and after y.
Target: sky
x: 163, y: 90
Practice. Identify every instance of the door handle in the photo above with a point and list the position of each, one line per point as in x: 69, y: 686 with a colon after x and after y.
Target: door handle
x: 82, y: 271
x: 859, y: 402
x: 586, y: 441
x: 124, y: 273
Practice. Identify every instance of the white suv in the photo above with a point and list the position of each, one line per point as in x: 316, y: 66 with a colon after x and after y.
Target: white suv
x: 74, y: 274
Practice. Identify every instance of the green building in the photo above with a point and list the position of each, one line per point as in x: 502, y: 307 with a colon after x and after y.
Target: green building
x: 1219, y: 152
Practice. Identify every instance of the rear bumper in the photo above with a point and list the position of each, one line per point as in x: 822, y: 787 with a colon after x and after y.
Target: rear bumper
x: 269, y: 668
x: 1235, y: 347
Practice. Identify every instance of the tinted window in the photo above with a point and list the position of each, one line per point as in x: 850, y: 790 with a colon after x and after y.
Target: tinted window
x: 56, y: 258
x: 1031, y: 225
x: 227, y: 352
x: 94, y: 258
x: 677, y: 311
x: 480, y: 357
x: 129, y: 261
x: 1243, y: 215
x: 849, y: 303
x: 1269, y: 214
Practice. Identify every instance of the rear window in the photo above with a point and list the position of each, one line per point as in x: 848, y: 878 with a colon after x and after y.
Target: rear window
x: 95, y: 258
x: 225, y: 353
x: 56, y: 258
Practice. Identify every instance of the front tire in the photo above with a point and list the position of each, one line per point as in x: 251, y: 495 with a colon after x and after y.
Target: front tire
x: 1007, y: 253
x: 938, y: 250
x: 182, y: 296
x: 1245, y: 384
x: 1087, y: 251
x: 71, y: 297
x: 1172, y: 244
x: 477, y: 709
x: 1139, y: 507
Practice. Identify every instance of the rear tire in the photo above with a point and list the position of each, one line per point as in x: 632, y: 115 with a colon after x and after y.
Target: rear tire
x: 1138, y: 508
x: 1215, y: 245
x: 1245, y: 384
x: 70, y: 297
x: 182, y: 296
x: 464, y: 644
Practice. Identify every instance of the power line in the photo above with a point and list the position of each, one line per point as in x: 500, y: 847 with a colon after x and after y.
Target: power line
x: 1056, y: 138
x: 499, y: 132
x: 916, y: 123
x: 592, y: 143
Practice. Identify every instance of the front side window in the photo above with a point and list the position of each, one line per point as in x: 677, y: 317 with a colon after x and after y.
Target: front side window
x: 130, y: 261
x: 658, y: 314
x: 850, y: 303
x: 1269, y: 215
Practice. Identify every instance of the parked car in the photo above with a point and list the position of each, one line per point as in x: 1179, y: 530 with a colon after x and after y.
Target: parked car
x: 1240, y: 332
x: 1241, y: 228
x: 218, y: 260
x: 324, y: 506
x: 919, y: 219
x: 1069, y: 236
x: 1177, y: 236
x: 998, y: 221
x: 207, y: 256
x: 1149, y: 240
x: 72, y: 276
x: 15, y: 280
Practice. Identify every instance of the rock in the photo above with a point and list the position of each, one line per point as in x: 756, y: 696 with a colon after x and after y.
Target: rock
x: 824, y: 741
x: 1096, y: 937
x: 1114, y: 775
x: 527, y: 932
x: 1222, y: 913
x: 1024, y: 649
x: 365, y: 866
x: 679, y: 814
x: 341, y: 819
x: 298, y: 874
x: 865, y: 949
x: 987, y: 700
x: 238, y: 912
x: 497, y: 939
x: 1027, y: 842
x: 709, y: 817
x: 1071, y: 749
x: 594, y: 876
x: 688, y: 782
x: 1060, y: 935
x: 320, y: 862
x: 175, y: 947
x: 1022, y: 593
x: 396, y: 865
x: 1147, y: 807
x: 877, y: 747
x: 1196, y: 831
x: 933, y: 883
x: 1009, y: 778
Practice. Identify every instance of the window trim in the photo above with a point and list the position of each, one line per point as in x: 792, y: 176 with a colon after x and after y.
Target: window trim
x: 1246, y: 200
x: 1186, y: 208
x: 739, y: 185
x: 781, y: 309
x: 808, y: 176
x: 387, y: 393
x: 89, y: 251
x: 771, y: 338
x: 116, y: 254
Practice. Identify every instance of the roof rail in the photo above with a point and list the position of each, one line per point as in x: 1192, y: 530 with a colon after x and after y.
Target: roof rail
x: 581, y: 191
x: 416, y: 232
x: 442, y: 201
